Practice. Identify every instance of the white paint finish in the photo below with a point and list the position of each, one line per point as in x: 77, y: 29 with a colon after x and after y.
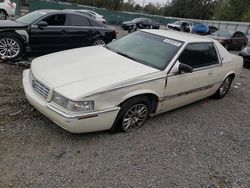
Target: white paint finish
x: 102, y: 122
x: 95, y: 73
x: 74, y: 73
x: 9, y: 10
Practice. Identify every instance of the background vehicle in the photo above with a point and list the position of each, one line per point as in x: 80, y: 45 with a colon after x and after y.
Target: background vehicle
x: 7, y: 8
x: 230, y: 39
x: 203, y: 29
x: 142, y: 74
x: 91, y: 14
x: 50, y: 31
x: 144, y: 22
x: 245, y: 53
x: 180, y: 26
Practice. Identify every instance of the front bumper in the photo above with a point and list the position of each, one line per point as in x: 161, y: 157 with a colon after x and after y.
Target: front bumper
x: 74, y: 123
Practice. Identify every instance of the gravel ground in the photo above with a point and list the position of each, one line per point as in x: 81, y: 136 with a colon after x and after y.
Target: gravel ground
x: 205, y: 144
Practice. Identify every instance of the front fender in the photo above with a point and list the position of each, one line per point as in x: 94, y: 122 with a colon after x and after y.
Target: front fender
x: 134, y: 94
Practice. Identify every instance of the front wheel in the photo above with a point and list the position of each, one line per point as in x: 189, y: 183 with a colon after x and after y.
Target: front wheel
x: 224, y: 88
x: 10, y: 47
x: 133, y: 114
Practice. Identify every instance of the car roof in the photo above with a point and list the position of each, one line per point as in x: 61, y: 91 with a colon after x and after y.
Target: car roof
x: 180, y: 36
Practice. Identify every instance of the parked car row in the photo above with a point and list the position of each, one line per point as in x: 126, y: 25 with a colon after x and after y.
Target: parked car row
x: 229, y: 39
x: 198, y: 28
x: 50, y: 31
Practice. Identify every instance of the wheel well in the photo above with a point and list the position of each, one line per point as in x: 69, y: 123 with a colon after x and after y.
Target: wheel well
x: 14, y: 34
x: 232, y: 76
x: 152, y: 98
x: 4, y: 11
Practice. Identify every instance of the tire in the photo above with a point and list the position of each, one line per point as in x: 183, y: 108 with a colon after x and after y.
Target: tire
x: 224, y: 88
x: 99, y: 42
x: 11, y: 47
x: 133, y: 114
x: 3, y: 14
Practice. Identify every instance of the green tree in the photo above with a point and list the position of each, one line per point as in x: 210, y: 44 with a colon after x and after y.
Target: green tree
x: 233, y: 10
x: 198, y: 9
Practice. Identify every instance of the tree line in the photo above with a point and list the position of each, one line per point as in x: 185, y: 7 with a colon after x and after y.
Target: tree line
x: 228, y: 10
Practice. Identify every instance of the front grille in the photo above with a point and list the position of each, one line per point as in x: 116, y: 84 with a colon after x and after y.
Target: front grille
x: 39, y: 87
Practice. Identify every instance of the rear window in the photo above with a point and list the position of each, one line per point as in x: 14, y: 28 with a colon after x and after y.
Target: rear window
x: 76, y: 20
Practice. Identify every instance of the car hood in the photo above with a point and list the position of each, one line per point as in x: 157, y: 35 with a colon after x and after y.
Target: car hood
x: 11, y: 24
x: 78, y: 72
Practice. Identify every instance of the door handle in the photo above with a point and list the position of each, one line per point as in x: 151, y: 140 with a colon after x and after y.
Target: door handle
x: 210, y: 73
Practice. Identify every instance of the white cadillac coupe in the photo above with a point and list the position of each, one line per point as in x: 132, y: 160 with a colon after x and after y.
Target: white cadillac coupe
x: 118, y: 86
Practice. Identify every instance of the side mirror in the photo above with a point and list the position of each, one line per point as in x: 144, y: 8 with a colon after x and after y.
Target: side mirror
x: 42, y: 24
x: 183, y: 68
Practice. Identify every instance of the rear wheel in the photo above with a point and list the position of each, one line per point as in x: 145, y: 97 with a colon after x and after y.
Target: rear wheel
x: 10, y: 46
x: 224, y: 88
x: 3, y: 15
x: 133, y: 114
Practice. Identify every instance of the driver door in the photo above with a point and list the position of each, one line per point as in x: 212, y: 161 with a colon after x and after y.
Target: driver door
x: 53, y: 37
x: 184, y: 88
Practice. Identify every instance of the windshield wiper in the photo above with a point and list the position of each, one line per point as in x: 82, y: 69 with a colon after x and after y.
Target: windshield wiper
x: 137, y: 60
x: 127, y: 56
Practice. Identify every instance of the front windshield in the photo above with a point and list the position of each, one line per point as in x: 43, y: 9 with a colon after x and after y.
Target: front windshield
x: 149, y: 49
x: 222, y: 34
x: 30, y: 17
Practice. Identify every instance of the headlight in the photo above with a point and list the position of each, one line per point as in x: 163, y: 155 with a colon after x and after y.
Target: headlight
x: 79, y: 106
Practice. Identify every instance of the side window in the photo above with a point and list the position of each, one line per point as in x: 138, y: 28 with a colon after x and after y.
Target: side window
x: 94, y: 24
x: 56, y: 20
x: 199, y: 55
x: 76, y: 20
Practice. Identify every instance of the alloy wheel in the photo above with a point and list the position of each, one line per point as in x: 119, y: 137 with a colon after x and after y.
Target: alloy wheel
x: 135, y: 117
x: 99, y: 42
x: 9, y: 48
x: 225, y: 86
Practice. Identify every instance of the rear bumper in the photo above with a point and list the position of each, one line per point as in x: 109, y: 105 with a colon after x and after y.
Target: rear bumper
x: 74, y: 123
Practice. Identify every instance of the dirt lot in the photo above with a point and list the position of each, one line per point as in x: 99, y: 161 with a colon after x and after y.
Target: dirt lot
x: 206, y: 144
